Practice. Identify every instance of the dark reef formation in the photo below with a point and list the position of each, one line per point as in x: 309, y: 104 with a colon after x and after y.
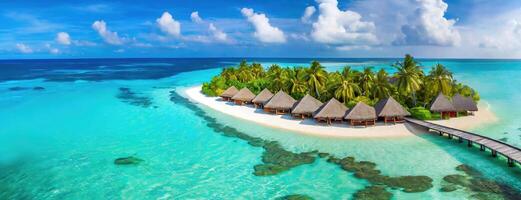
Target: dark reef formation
x: 18, y: 88
x: 275, y: 160
x: 295, y: 197
x: 373, y: 193
x: 482, y: 188
x: 128, y: 96
x: 131, y: 160
x: 367, y: 170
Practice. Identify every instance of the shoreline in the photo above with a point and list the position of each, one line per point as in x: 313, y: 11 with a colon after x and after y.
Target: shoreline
x: 310, y: 127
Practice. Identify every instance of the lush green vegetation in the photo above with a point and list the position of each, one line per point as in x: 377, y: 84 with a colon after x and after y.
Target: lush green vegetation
x: 423, y: 113
x: 409, y: 85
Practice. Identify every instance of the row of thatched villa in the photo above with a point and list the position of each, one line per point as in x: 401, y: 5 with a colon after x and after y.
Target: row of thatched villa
x: 447, y: 108
x: 389, y: 110
x: 308, y: 107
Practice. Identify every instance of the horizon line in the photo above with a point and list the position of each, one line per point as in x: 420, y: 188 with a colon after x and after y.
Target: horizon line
x: 257, y: 57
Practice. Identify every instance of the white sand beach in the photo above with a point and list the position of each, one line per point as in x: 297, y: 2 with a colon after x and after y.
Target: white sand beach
x: 310, y: 127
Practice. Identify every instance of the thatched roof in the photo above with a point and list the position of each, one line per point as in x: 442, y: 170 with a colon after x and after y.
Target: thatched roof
x: 244, y: 95
x: 230, y: 92
x: 462, y: 103
x: 390, y: 108
x: 306, y: 105
x: 361, y: 111
x: 331, y: 109
x: 281, y: 100
x: 442, y: 104
x: 263, y: 97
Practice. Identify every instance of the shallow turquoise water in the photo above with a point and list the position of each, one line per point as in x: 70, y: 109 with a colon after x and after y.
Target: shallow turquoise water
x: 60, y: 143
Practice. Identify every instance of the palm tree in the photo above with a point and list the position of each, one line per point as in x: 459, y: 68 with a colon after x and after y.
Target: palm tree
x: 367, y: 81
x: 347, y: 87
x: 296, y: 82
x: 229, y: 73
x: 279, y: 80
x: 348, y: 72
x: 440, y: 80
x: 257, y: 70
x: 245, y: 74
x: 274, y: 69
x: 408, y: 77
x: 316, y: 78
x: 382, y: 87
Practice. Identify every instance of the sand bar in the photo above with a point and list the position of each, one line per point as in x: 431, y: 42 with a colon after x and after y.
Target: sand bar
x: 310, y: 127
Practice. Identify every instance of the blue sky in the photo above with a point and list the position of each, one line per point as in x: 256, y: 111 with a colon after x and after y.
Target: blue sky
x: 269, y: 28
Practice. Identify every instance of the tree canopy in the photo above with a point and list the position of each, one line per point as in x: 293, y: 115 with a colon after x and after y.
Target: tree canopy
x: 409, y: 85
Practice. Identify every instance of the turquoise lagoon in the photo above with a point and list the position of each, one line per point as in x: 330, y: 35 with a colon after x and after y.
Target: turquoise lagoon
x: 61, y: 142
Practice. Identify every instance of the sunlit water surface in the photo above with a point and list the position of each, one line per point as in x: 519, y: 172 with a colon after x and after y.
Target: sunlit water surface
x: 61, y: 142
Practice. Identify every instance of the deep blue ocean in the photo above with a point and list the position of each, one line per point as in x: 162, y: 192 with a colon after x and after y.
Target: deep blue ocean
x: 63, y: 122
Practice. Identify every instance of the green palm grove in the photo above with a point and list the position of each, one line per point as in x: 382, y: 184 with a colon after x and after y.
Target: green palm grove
x: 409, y: 85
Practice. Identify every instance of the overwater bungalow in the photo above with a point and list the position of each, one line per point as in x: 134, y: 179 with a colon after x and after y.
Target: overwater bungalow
x: 243, y: 96
x: 228, y: 93
x: 390, y: 110
x: 306, y: 107
x: 361, y: 114
x: 332, y: 110
x: 442, y: 105
x: 464, y: 104
x: 280, y: 103
x: 262, y: 98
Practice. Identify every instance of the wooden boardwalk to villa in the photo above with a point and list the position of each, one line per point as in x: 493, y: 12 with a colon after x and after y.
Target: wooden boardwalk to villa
x: 512, y: 153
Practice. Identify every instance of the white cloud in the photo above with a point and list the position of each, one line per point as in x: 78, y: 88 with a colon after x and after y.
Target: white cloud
x: 197, y: 38
x: 338, y: 27
x: 54, y: 51
x: 353, y: 47
x: 308, y: 12
x: 299, y: 36
x: 169, y: 25
x: 264, y: 31
x: 217, y: 34
x: 51, y: 49
x: 22, y: 48
x: 84, y: 43
x: 107, y: 35
x: 195, y: 17
x: 504, y: 37
x: 63, y: 38
x: 428, y: 26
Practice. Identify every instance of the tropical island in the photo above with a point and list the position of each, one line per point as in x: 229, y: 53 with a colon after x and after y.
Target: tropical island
x: 312, y: 95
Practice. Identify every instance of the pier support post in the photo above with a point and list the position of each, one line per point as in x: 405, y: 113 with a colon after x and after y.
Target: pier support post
x: 510, y: 162
x: 460, y: 140
x: 494, y: 153
x: 440, y: 133
x: 481, y: 147
x: 469, y: 143
x: 450, y: 136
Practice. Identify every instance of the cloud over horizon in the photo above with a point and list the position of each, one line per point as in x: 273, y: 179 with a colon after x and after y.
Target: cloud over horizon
x: 63, y: 38
x: 376, y: 28
x: 108, y: 36
x: 428, y: 26
x: 337, y: 27
x: 264, y: 31
x: 169, y: 25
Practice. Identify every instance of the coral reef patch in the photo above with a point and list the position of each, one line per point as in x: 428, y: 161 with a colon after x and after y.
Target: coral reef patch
x: 128, y: 96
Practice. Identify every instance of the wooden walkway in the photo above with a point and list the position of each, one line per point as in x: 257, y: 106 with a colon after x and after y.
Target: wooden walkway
x: 512, y: 153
